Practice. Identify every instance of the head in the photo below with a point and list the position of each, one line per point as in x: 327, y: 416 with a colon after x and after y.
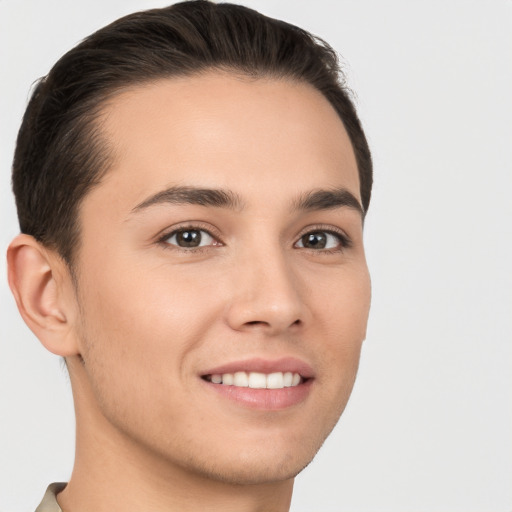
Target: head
x: 194, y: 181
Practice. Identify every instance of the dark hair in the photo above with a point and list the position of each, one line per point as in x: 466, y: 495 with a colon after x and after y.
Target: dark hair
x: 60, y: 153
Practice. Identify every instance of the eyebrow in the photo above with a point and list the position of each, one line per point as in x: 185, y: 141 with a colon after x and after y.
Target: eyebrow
x: 328, y: 200
x: 192, y: 195
x: 310, y: 201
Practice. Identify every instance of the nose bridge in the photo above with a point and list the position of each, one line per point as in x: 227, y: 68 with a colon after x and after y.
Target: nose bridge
x: 266, y: 290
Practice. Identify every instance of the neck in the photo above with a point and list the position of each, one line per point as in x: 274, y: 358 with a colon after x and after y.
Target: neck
x: 114, y: 472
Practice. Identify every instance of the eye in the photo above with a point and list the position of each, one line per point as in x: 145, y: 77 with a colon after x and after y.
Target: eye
x: 322, y: 240
x: 190, y: 238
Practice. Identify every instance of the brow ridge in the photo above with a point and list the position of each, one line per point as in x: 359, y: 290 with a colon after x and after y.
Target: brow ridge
x: 191, y: 195
x: 322, y: 199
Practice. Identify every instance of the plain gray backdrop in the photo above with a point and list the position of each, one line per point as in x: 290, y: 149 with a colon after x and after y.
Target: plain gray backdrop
x: 429, y: 425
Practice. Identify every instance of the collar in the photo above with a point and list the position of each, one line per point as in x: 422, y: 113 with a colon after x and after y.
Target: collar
x: 49, y: 503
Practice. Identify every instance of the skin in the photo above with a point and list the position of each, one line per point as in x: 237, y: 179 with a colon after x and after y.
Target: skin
x: 146, y: 318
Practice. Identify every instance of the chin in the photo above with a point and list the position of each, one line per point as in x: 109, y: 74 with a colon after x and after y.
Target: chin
x: 256, y: 472
x: 259, y: 464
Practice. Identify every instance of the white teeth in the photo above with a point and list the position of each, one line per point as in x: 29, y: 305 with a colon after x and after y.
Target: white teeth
x: 275, y: 381
x: 228, y: 379
x: 240, y: 379
x: 257, y: 380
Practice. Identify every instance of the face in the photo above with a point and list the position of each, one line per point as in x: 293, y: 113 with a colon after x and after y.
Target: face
x: 223, y: 287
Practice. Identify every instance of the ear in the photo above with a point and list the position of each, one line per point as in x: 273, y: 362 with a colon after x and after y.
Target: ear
x: 42, y: 286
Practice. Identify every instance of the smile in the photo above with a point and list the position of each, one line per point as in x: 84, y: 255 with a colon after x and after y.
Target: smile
x: 256, y: 380
x: 262, y: 384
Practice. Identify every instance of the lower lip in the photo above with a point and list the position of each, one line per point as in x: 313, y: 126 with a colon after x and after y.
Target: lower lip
x: 264, y: 399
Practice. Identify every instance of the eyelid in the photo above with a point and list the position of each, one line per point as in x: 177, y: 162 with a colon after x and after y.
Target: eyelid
x: 345, y: 240
x: 188, y: 225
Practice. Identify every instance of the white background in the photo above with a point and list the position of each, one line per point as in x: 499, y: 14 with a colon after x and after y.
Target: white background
x: 429, y: 425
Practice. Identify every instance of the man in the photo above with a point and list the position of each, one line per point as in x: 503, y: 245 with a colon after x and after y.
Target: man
x: 191, y: 184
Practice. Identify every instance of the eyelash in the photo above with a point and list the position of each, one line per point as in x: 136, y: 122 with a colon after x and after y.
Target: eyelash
x: 343, y: 239
x: 163, y: 240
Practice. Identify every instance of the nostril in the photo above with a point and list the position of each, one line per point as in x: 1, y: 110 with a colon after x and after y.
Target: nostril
x: 296, y: 323
x: 256, y: 322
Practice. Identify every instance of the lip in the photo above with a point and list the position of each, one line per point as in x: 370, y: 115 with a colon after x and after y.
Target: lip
x: 263, y: 399
x: 284, y: 364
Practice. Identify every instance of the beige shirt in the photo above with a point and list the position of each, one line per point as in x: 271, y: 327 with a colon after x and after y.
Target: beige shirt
x: 49, y: 503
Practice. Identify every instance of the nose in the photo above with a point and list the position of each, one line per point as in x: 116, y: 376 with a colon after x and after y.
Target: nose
x: 267, y: 296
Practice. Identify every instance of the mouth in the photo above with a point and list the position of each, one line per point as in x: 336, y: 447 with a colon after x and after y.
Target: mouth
x: 262, y: 384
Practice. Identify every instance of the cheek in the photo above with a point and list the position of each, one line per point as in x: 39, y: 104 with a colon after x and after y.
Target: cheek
x: 139, y: 332
x: 144, y: 322
x: 342, y: 311
x: 342, y: 305
x: 156, y: 302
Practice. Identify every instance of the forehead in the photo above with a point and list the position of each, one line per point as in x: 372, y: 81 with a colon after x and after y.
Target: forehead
x: 220, y: 130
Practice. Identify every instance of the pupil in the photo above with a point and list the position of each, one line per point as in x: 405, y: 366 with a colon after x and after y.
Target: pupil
x: 188, y: 238
x: 314, y: 240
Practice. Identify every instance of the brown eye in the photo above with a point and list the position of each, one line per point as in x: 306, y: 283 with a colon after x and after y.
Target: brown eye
x: 190, y: 238
x: 322, y: 240
x: 314, y: 240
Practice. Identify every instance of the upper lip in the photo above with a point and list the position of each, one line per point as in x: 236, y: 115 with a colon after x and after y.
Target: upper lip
x: 261, y: 365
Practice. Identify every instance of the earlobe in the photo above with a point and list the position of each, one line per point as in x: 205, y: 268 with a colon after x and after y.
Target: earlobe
x: 40, y: 283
